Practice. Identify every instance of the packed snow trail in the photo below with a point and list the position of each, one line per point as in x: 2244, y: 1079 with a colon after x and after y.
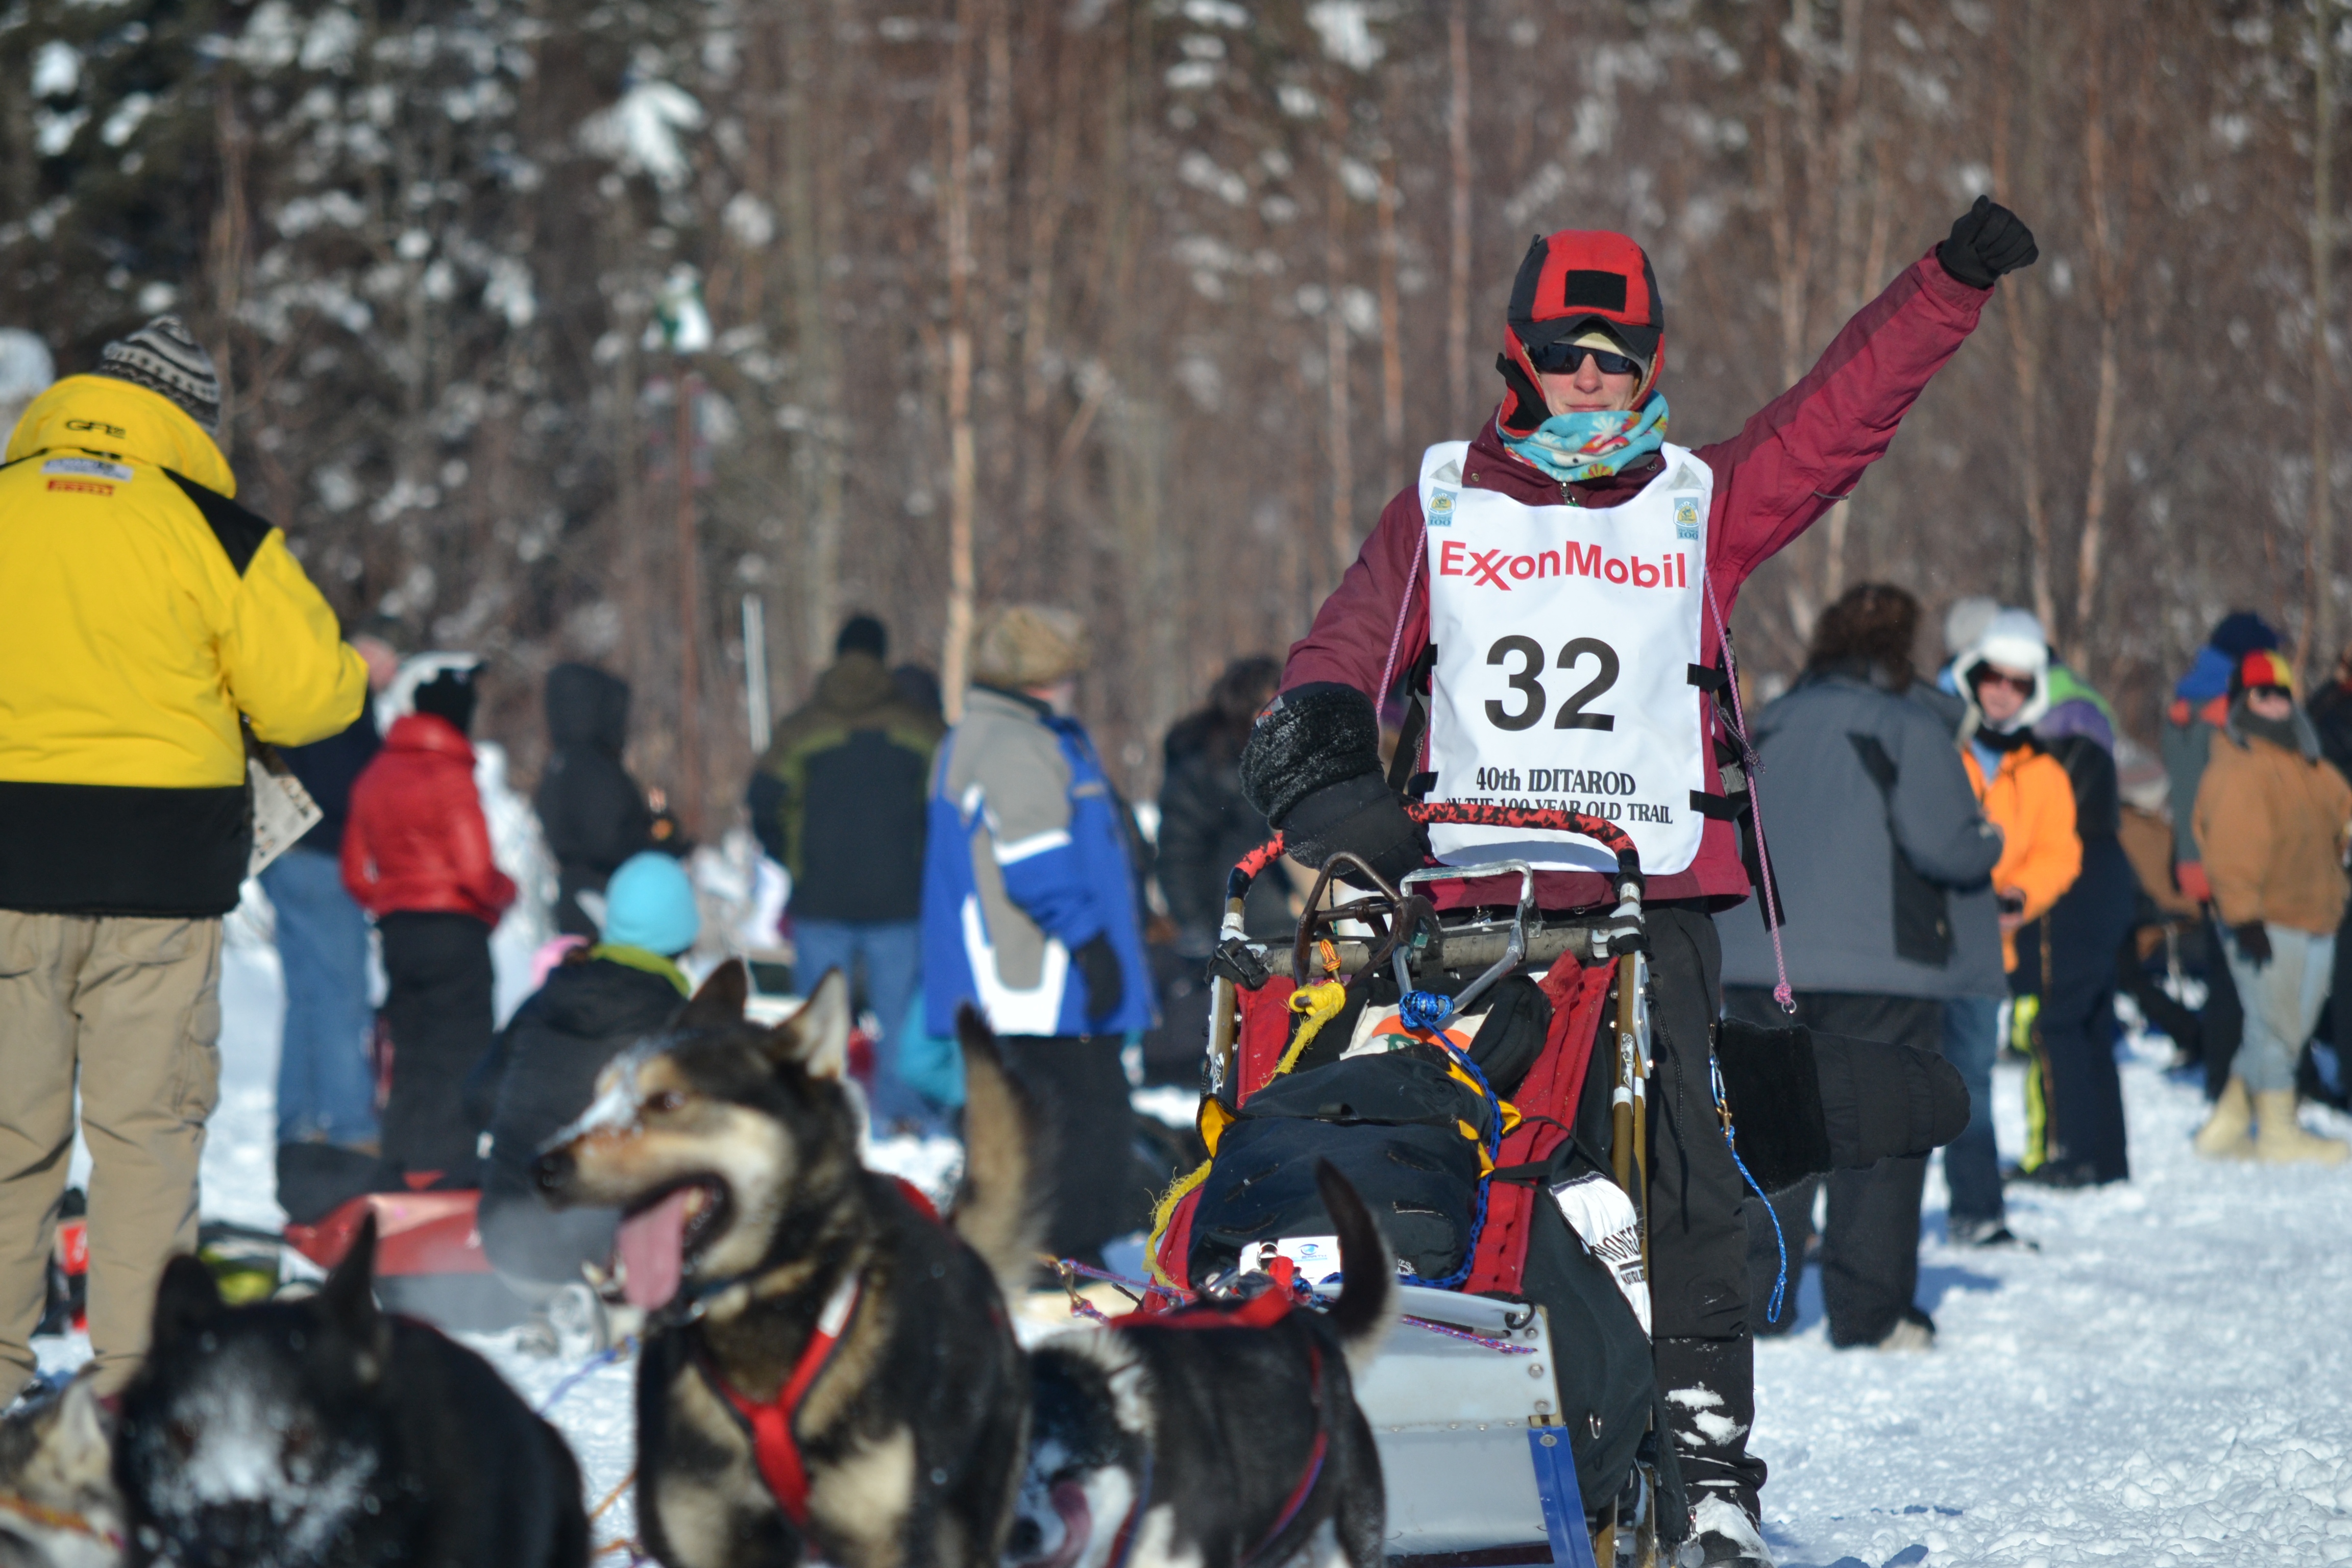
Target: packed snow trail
x: 2168, y: 1382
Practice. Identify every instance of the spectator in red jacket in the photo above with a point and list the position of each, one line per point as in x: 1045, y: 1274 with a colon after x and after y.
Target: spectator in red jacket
x: 416, y: 856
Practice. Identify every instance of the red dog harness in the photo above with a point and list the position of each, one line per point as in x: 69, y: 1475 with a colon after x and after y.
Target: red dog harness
x: 774, y: 1448
x: 1263, y: 1310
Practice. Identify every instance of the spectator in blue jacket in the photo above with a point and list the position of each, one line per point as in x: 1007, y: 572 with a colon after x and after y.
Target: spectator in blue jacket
x: 326, y: 1086
x: 1030, y: 911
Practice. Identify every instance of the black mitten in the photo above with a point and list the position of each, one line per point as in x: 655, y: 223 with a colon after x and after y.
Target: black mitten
x: 2254, y: 940
x: 1359, y: 815
x: 1313, y: 767
x: 1986, y: 241
x: 1308, y: 738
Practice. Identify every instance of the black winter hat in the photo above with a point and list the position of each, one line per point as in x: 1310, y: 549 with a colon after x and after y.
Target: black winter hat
x: 2240, y: 632
x: 863, y: 633
x: 164, y: 358
x: 449, y: 695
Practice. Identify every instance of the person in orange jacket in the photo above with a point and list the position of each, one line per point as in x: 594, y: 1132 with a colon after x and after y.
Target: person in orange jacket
x: 2023, y: 790
x: 416, y: 856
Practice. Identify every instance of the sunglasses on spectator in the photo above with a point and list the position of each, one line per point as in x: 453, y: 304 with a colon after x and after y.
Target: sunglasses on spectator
x: 2021, y: 684
x: 1562, y: 359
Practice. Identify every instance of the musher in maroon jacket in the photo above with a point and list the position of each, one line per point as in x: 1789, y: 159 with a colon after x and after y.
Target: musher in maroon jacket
x: 1574, y: 553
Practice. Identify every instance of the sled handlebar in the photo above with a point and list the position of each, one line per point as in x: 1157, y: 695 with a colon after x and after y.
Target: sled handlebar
x: 1584, y: 825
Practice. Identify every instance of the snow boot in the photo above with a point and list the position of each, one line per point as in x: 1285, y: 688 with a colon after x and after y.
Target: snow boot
x: 1722, y: 1536
x: 1914, y: 1330
x: 2281, y: 1139
x: 2225, y: 1134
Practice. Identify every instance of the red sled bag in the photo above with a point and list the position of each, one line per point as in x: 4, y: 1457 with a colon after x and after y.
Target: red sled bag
x: 429, y: 1261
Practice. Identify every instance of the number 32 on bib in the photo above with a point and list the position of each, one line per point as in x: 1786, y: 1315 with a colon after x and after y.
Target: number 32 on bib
x: 1565, y: 640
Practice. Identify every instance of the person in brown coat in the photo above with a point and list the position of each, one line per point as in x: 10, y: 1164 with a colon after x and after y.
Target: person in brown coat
x: 2272, y: 821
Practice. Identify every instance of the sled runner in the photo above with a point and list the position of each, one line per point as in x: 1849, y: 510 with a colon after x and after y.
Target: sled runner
x: 1447, y: 1065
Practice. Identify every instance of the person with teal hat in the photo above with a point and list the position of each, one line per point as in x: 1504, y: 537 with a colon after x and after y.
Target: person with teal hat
x: 541, y: 1072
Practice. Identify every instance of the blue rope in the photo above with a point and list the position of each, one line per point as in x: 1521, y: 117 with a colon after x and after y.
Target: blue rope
x: 1493, y: 1141
x: 576, y: 1378
x: 1425, y: 1010
x: 1781, y: 1277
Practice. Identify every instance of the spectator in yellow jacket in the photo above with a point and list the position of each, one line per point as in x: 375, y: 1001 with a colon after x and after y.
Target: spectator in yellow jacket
x: 2271, y: 821
x: 145, y: 618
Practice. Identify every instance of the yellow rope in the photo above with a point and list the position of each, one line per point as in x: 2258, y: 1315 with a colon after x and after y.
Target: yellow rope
x: 1162, y: 1212
x: 1320, y: 1003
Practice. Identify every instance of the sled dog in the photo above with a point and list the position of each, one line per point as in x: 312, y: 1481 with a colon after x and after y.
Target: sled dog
x: 58, y: 1507
x: 829, y: 1370
x: 1213, y: 1438
x: 322, y: 1431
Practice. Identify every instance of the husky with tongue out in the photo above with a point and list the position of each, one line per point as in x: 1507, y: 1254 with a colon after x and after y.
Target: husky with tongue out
x: 829, y: 1371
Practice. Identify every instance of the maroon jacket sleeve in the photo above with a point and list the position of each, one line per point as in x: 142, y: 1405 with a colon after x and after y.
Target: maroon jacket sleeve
x: 1382, y: 602
x: 1806, y: 448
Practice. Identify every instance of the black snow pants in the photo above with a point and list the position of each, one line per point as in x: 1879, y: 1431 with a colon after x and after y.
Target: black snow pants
x: 2081, y: 1092
x: 1870, y: 1245
x: 1698, y: 1242
x: 1100, y: 1189
x: 439, y: 1007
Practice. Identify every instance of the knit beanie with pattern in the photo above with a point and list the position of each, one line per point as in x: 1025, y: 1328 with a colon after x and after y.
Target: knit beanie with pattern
x: 161, y: 357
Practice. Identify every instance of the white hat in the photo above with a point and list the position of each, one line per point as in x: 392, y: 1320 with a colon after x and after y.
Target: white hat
x: 398, y: 700
x: 1966, y: 621
x: 2013, y: 640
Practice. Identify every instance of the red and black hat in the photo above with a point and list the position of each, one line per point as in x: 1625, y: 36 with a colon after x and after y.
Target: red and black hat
x: 2260, y: 667
x: 1571, y: 284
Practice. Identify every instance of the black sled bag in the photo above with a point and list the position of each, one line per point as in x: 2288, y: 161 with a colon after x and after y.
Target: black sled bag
x: 1399, y: 1125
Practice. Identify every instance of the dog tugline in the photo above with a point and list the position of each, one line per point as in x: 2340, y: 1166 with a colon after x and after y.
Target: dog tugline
x: 1554, y: 594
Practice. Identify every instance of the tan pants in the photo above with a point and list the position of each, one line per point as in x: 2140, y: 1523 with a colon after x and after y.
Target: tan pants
x: 134, y: 1004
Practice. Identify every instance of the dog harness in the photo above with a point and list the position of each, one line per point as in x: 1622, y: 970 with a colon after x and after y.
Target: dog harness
x: 1261, y: 1310
x: 774, y: 1448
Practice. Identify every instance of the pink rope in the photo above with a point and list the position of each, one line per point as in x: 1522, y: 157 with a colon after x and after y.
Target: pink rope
x: 1404, y: 608
x: 1784, y: 993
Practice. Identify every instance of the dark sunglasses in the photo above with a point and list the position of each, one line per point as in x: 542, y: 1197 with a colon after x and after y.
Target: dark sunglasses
x: 2021, y: 684
x: 1562, y: 359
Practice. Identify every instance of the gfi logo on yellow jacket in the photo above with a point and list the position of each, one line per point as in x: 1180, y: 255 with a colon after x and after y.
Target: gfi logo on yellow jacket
x: 141, y: 611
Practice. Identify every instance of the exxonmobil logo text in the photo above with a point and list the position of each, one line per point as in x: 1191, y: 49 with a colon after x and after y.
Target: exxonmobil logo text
x: 1499, y: 569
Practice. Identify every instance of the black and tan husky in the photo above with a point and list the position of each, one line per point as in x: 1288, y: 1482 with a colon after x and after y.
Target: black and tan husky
x: 1223, y: 1435
x: 829, y: 1370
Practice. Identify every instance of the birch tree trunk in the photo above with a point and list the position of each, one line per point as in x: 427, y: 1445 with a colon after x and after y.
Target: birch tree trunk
x: 1457, y: 136
x: 228, y: 247
x: 1335, y: 346
x: 1392, y: 331
x: 955, y: 672
x: 2320, y: 648
x: 2106, y: 271
x: 819, y: 466
x: 2017, y: 309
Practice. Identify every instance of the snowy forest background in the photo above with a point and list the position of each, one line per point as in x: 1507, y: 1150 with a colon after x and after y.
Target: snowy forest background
x: 1147, y: 306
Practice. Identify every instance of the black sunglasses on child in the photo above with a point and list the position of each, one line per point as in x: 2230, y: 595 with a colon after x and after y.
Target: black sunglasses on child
x: 1562, y: 358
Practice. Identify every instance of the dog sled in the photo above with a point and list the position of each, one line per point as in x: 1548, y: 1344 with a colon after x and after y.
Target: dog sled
x: 1431, y: 1057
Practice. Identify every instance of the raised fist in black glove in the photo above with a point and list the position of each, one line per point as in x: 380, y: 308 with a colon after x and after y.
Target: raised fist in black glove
x: 1313, y: 767
x: 1986, y: 241
x: 1098, y: 964
x: 2254, y: 942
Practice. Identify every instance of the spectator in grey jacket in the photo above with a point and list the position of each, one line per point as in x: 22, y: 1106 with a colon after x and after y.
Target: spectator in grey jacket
x: 1882, y: 862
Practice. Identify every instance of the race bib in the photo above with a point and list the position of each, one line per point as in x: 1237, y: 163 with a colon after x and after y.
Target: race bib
x: 1565, y: 640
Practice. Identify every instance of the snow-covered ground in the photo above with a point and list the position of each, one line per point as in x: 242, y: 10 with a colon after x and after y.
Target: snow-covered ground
x: 2168, y: 1381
